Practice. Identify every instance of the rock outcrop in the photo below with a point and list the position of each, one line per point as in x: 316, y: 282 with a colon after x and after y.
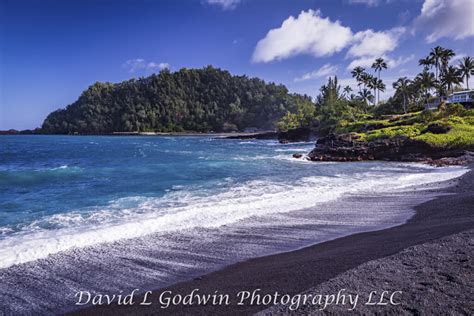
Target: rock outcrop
x: 345, y: 148
x: 262, y: 135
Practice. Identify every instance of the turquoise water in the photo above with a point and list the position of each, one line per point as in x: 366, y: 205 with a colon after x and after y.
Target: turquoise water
x: 113, y: 214
x: 64, y: 192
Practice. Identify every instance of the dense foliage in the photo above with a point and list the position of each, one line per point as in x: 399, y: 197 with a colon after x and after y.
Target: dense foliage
x: 458, y: 120
x: 342, y: 110
x: 202, y: 100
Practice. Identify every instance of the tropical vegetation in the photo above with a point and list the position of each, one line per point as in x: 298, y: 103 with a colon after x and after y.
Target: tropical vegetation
x: 211, y: 99
x: 200, y: 100
x: 339, y: 110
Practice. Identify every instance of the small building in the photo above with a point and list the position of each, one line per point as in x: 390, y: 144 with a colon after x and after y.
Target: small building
x: 465, y: 97
x: 433, y: 103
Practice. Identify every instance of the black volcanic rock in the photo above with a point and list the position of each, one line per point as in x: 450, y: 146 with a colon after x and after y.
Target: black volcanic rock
x: 263, y: 135
x: 436, y: 128
x: 342, y: 148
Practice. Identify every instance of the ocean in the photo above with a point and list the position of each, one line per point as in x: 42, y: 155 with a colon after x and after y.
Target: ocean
x: 103, y: 213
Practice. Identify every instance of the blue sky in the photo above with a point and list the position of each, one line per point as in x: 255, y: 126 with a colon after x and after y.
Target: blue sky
x: 51, y: 50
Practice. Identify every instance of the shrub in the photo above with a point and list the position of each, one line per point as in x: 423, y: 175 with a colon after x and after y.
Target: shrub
x: 393, y: 131
x: 427, y: 115
x: 455, y: 109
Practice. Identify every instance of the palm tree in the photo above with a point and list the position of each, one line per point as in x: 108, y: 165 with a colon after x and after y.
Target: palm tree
x: 435, y: 56
x: 445, y: 57
x: 357, y: 73
x: 378, y: 65
x: 466, y: 68
x: 380, y: 86
x: 451, y: 77
x: 427, y: 63
x: 426, y: 81
x: 402, y: 86
x: 372, y: 84
x: 366, y: 95
x: 347, y: 91
x: 365, y: 79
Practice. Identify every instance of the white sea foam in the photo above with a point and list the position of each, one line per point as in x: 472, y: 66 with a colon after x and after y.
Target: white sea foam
x: 180, y: 209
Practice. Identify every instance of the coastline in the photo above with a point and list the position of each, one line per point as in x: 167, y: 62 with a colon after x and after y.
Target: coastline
x: 296, y: 271
x: 223, y: 135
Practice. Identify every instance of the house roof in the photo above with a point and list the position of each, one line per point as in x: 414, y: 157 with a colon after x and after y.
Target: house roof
x: 462, y: 92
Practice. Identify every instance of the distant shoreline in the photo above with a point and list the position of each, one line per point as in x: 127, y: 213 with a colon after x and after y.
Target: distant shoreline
x: 223, y: 134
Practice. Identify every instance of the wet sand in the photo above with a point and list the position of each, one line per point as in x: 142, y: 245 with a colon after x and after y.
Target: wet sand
x: 297, y: 271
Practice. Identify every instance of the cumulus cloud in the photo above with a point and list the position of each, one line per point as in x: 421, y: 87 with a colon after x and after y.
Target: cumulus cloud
x: 309, y: 33
x: 367, y: 61
x: 371, y: 43
x: 224, y: 4
x: 369, y: 3
x: 446, y: 18
x: 152, y: 65
x: 134, y: 65
x: 324, y: 71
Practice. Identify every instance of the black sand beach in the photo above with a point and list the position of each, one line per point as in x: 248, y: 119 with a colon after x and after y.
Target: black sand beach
x: 297, y: 271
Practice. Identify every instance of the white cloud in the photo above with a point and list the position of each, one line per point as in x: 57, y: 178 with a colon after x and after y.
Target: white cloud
x: 309, y: 33
x: 367, y: 61
x: 324, y: 71
x: 446, y: 18
x: 371, y: 43
x: 225, y: 4
x: 393, y: 63
x: 152, y: 65
x: 134, y: 65
x: 457, y: 58
x: 369, y: 3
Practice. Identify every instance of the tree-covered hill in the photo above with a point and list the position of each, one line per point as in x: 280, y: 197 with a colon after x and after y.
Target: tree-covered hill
x: 207, y: 99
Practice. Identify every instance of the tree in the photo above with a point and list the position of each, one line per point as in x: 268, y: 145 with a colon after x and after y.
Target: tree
x: 378, y: 65
x: 347, y: 91
x: 402, y: 86
x: 372, y: 84
x: 366, y: 96
x: 446, y: 56
x: 451, y: 77
x: 435, y: 56
x: 466, y: 69
x: 189, y: 99
x: 426, y: 81
x: 357, y: 73
x: 427, y: 63
x: 379, y: 86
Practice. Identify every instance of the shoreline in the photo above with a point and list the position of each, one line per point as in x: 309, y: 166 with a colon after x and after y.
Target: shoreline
x: 224, y: 135
x: 296, y: 271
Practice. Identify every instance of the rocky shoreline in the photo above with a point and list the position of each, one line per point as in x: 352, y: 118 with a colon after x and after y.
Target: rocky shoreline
x: 346, y: 147
x: 291, y: 136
